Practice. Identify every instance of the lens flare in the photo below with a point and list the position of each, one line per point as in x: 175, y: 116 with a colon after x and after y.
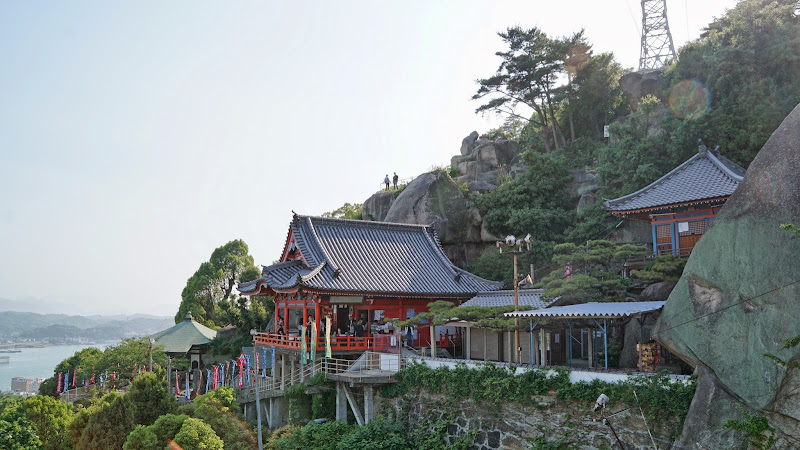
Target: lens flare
x: 689, y: 100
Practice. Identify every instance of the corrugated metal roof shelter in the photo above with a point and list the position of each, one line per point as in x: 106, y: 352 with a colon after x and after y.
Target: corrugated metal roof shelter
x: 681, y: 205
x: 527, y: 297
x: 179, y: 339
x: 592, y: 310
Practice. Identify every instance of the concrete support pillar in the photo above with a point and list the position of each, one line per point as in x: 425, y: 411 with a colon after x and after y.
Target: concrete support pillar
x: 283, y: 372
x: 369, y: 404
x: 341, y: 402
x: 542, y: 348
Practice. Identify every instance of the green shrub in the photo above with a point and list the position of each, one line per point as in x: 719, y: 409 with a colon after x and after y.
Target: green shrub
x: 197, y: 435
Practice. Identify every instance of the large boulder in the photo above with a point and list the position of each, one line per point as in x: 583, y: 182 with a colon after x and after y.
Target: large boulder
x: 468, y: 143
x: 377, y: 206
x: 657, y: 291
x: 434, y: 198
x: 739, y: 299
x: 636, y: 85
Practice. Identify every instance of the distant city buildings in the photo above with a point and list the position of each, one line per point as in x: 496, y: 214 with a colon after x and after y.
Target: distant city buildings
x: 25, y: 386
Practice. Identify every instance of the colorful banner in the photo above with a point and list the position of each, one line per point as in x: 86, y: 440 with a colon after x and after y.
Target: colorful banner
x: 188, y: 393
x: 303, y: 346
x: 247, y: 370
x: 66, y: 381
x: 75, y: 378
x: 272, y: 366
x: 264, y: 369
x: 58, y: 389
x: 208, y: 378
x: 177, y: 383
x: 328, y: 337
x: 313, y: 341
x: 241, y: 370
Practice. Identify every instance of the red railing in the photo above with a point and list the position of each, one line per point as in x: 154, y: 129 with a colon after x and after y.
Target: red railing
x: 341, y: 343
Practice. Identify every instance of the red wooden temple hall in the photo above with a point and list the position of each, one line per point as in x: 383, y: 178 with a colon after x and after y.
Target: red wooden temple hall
x: 681, y: 205
x: 357, y: 271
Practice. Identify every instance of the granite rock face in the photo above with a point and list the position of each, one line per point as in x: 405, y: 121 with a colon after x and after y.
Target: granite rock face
x: 434, y: 199
x: 376, y: 207
x: 739, y: 298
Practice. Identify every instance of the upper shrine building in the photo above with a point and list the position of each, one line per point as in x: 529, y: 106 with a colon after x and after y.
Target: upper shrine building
x: 354, y: 271
x: 681, y: 205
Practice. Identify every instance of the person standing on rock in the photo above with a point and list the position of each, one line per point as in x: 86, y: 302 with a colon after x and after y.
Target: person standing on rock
x: 386, y: 181
x: 394, y: 180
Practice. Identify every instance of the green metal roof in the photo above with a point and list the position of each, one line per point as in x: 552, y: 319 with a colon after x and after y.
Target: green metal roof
x: 183, y: 336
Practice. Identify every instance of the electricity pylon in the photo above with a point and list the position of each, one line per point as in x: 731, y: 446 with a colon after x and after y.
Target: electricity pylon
x: 657, y: 47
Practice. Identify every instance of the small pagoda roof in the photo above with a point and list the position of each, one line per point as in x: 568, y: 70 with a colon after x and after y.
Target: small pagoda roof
x: 359, y: 256
x: 706, y: 176
x: 186, y: 334
x: 527, y: 297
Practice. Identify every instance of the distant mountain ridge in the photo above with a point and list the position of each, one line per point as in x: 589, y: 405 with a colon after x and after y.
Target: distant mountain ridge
x: 15, y: 324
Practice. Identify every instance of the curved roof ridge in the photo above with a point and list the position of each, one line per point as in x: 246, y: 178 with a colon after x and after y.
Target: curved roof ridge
x: 723, y: 167
x: 325, y: 253
x: 312, y: 274
x: 498, y: 284
x: 365, y: 223
x: 434, y: 241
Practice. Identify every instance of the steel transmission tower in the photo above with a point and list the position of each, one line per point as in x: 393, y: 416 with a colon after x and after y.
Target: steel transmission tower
x: 657, y: 47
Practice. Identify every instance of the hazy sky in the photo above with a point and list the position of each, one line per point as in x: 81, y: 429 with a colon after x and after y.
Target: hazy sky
x: 136, y: 137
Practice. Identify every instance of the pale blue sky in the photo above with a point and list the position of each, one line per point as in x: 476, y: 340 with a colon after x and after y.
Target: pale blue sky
x: 136, y: 137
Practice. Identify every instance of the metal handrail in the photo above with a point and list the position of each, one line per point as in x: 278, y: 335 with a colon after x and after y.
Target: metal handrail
x: 369, y: 362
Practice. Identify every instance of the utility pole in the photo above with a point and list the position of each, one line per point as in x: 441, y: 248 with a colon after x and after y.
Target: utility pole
x: 657, y: 49
x: 150, y: 348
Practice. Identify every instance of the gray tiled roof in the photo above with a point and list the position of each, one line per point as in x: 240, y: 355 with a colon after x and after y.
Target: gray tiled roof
x: 370, y: 257
x: 703, y: 176
x: 527, y: 297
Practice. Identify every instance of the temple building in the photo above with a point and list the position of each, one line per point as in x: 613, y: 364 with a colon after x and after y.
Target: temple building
x: 358, y: 274
x: 681, y: 205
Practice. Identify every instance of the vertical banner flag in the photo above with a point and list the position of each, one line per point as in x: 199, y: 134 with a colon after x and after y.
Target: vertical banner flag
x: 208, y: 378
x: 188, y: 392
x: 247, y: 369
x: 66, y: 381
x: 199, y: 382
x: 75, y: 378
x: 258, y: 366
x: 303, y: 347
x: 58, y: 389
x: 568, y: 272
x: 273, y: 360
x: 328, y: 337
x: 241, y: 370
x: 313, y: 341
x: 177, y: 383
x: 264, y: 369
x: 114, y: 378
x: 216, y: 377
x: 225, y: 373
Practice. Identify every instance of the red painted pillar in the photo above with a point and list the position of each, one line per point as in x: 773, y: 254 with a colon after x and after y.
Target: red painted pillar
x: 277, y: 316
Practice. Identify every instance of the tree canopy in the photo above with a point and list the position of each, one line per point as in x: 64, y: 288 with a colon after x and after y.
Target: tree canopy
x: 214, y: 282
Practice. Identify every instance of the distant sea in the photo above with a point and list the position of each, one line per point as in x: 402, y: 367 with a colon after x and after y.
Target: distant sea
x: 38, y: 362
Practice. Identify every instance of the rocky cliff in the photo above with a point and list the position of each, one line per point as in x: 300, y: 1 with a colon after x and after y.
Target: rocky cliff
x: 738, y: 299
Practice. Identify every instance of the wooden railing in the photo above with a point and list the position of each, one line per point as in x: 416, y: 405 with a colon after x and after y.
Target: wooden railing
x: 377, y: 342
